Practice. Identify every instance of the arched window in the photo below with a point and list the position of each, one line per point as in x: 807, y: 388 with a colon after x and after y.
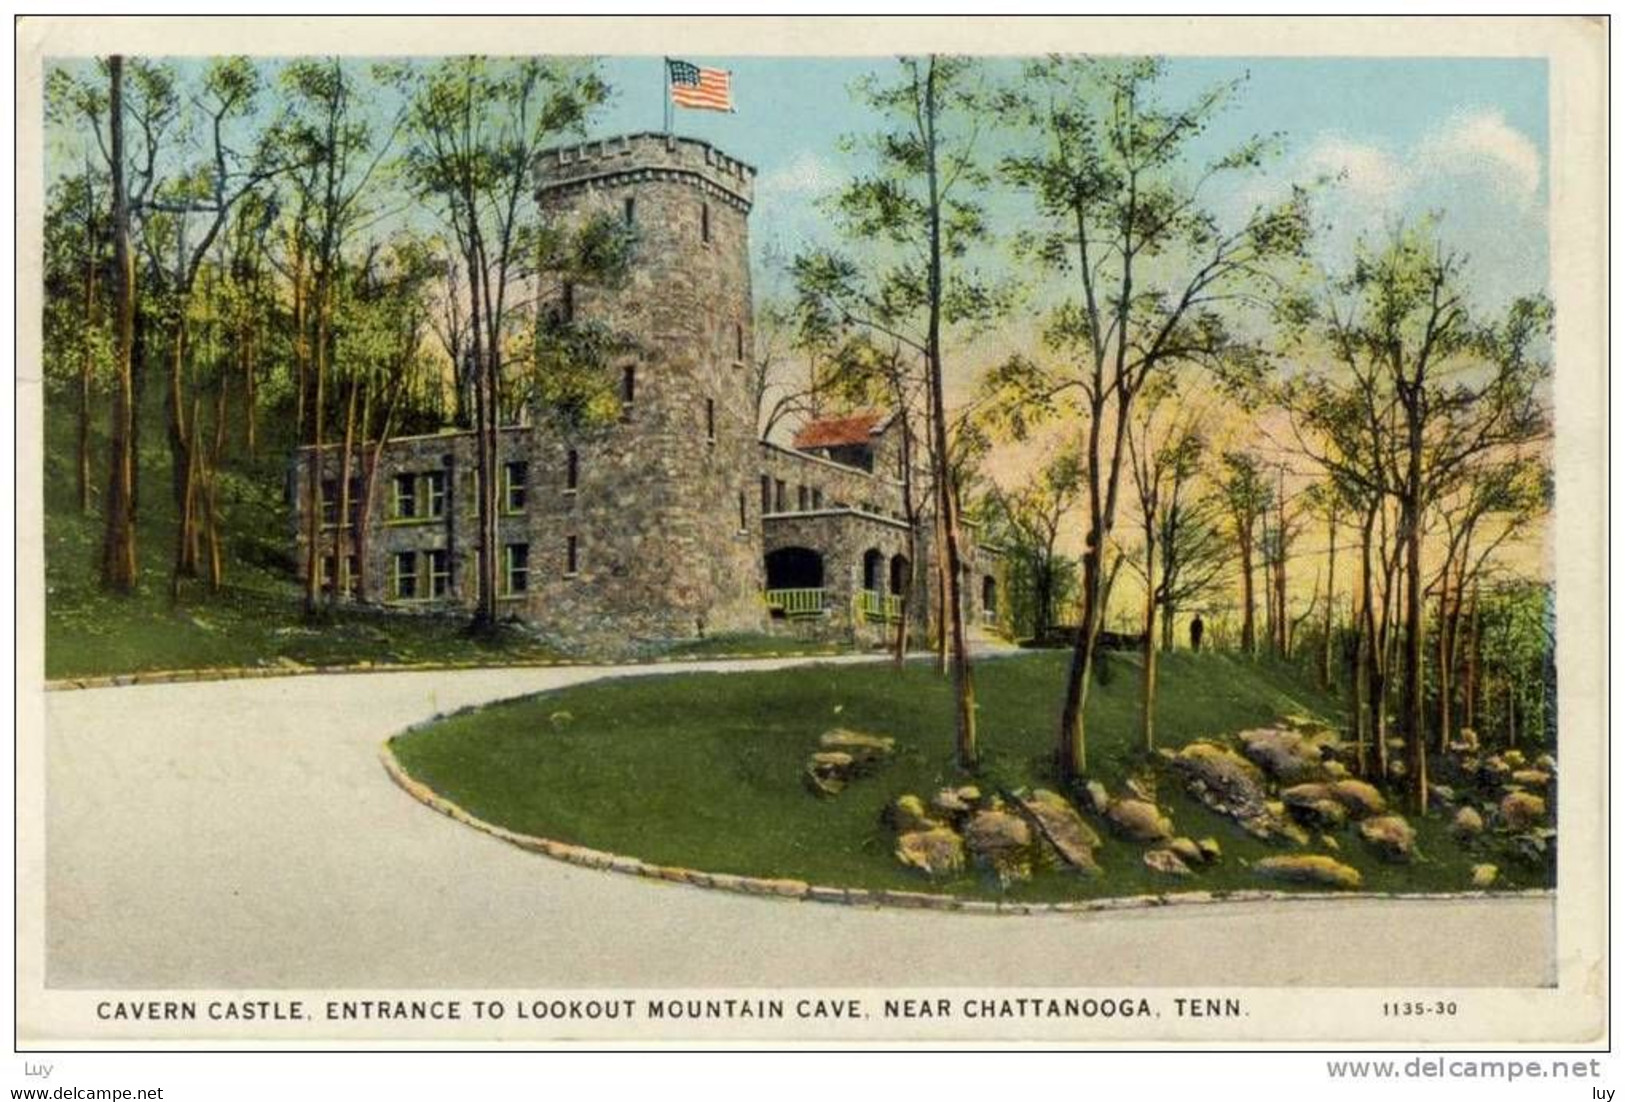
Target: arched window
x: 899, y: 574
x: 874, y: 563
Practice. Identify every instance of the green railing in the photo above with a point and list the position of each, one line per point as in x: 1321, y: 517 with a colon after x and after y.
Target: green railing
x: 796, y: 603
x: 877, y: 607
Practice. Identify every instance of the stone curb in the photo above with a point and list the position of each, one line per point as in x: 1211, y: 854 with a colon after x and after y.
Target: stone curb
x: 248, y: 673
x: 861, y: 897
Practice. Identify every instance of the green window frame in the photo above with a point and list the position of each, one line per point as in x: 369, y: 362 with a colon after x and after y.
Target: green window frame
x: 515, y: 569
x: 438, y: 563
x: 515, y: 486
x: 403, y: 576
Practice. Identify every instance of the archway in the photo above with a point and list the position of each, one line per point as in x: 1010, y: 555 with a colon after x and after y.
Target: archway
x: 990, y: 594
x: 899, y: 574
x: 874, y: 564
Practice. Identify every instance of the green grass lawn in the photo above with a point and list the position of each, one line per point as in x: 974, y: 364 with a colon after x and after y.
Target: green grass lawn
x: 704, y: 770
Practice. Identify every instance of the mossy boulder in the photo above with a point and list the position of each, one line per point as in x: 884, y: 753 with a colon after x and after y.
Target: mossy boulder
x: 866, y: 750
x: 1139, y: 821
x: 1229, y: 784
x: 937, y: 852
x: 1391, y: 836
x: 1309, y: 868
x: 1166, y: 862
x: 1467, y: 824
x: 1484, y: 876
x: 1289, y: 756
x: 1313, y: 806
x: 1360, y: 799
x: 1001, y: 844
x: 1522, y: 810
x: 1060, y: 825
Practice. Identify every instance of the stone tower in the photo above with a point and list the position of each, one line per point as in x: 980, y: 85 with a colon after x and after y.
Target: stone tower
x: 658, y: 510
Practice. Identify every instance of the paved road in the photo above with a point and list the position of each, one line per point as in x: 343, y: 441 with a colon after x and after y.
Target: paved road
x: 243, y: 834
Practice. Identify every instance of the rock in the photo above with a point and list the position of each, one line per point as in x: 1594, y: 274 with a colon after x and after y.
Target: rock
x: 1391, y: 836
x: 1531, y: 778
x: 1139, y: 821
x: 1362, y: 800
x: 1547, y: 763
x: 1334, y: 770
x: 1309, y: 868
x: 827, y: 772
x: 950, y: 803
x: 1328, y: 842
x: 1140, y: 790
x: 937, y: 852
x: 1513, y: 758
x: 1059, y: 823
x: 1484, y: 875
x: 1167, y: 862
x: 1002, y: 844
x: 1187, y: 851
x: 1313, y: 806
x: 1210, y: 849
x: 865, y: 750
x: 1467, y: 824
x: 1522, y: 810
x: 1285, y: 755
x: 1441, y: 795
x: 969, y: 793
x: 1468, y: 738
x: 1229, y: 784
x: 1097, y: 797
x: 907, y: 813
x: 1493, y: 771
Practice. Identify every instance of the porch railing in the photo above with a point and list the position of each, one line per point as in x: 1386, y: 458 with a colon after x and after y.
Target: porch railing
x: 877, y: 607
x: 795, y: 604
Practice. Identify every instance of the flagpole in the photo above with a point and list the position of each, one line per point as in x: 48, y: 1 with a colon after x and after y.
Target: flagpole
x: 665, y: 93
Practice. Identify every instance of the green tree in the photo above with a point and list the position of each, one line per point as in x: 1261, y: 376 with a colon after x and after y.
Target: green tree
x: 476, y: 125
x: 918, y: 213
x: 1146, y: 278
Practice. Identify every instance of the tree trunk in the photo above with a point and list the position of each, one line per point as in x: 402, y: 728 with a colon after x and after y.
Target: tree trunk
x: 339, y: 583
x: 182, y: 470
x: 1244, y: 538
x: 1331, y: 597
x: 1411, y: 526
x: 1148, y: 648
x: 87, y: 364
x: 318, y: 461
x: 1469, y: 693
x: 118, y: 528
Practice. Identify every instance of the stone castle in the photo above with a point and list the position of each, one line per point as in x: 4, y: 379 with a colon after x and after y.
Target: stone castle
x: 678, y: 520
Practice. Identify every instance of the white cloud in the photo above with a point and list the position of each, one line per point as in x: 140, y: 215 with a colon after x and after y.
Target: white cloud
x: 1368, y: 174
x: 806, y: 175
x: 1483, y: 143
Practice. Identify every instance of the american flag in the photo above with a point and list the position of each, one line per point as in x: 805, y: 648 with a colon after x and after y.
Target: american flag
x: 706, y: 89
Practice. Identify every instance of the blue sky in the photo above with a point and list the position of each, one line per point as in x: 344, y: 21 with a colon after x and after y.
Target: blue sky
x: 1463, y: 137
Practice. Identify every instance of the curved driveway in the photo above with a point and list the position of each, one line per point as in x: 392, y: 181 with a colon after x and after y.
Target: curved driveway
x: 241, y: 834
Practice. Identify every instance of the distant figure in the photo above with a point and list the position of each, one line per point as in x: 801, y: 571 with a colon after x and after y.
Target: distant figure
x: 1196, y: 632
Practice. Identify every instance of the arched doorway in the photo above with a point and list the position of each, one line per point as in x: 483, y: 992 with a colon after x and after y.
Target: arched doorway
x: 899, y: 574
x: 874, y: 565
x: 990, y: 598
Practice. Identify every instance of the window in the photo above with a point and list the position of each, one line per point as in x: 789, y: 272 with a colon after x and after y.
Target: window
x: 629, y: 387
x: 405, y: 505
x: 778, y: 495
x: 803, y: 498
x: 739, y: 342
x: 817, y: 498
x: 572, y: 470
x: 743, y: 518
x: 515, y: 481
x: 705, y: 222
x: 711, y: 420
x: 629, y: 211
x: 767, y: 494
x: 434, y: 493
x: 515, y: 569
x: 352, y: 572
x: 439, y: 572
x: 330, y: 502
x: 403, y: 576
x: 572, y: 559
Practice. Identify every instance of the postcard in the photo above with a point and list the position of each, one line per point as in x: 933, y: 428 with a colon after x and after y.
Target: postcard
x: 783, y: 531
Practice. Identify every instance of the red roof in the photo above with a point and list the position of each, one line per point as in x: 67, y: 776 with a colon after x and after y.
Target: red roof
x: 832, y: 432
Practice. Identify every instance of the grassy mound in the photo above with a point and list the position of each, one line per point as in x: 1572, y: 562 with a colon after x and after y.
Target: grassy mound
x: 704, y: 770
